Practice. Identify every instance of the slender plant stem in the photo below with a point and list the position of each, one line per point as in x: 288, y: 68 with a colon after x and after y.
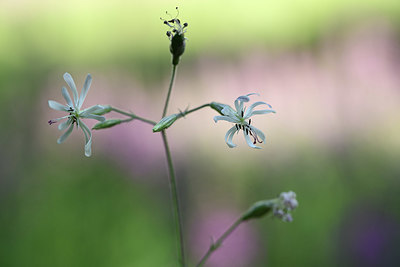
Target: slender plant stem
x: 184, y: 113
x: 175, y: 203
x: 133, y: 116
x: 171, y: 83
x: 215, y: 245
x: 172, y: 182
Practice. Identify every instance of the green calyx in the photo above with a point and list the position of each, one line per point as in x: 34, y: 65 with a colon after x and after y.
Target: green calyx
x: 106, y: 109
x: 177, y: 47
x: 106, y: 124
x: 217, y: 107
x: 259, y: 209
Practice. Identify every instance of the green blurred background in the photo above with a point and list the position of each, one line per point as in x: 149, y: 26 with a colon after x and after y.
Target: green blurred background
x: 329, y: 68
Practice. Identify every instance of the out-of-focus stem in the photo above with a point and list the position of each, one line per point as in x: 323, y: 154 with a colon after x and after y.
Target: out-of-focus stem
x: 215, y: 245
x: 171, y: 83
x: 133, y: 116
x: 172, y: 182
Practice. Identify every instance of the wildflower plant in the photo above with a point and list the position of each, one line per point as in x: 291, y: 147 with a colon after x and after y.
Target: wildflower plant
x: 240, y: 116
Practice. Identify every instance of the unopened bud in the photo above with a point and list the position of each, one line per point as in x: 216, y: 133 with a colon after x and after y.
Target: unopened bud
x: 106, y: 124
x: 165, y: 122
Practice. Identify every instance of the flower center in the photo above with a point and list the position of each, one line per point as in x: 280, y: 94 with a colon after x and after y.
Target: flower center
x: 248, y: 130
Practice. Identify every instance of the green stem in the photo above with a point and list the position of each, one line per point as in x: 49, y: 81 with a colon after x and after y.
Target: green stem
x: 215, y: 245
x: 172, y: 182
x: 133, y: 116
x: 175, y: 202
x: 171, y: 83
x: 184, y: 113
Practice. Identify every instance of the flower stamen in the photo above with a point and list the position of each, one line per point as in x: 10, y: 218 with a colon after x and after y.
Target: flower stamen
x: 255, y: 137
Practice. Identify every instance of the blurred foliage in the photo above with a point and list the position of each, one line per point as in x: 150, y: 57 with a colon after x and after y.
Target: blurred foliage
x: 82, y: 214
x: 331, y: 186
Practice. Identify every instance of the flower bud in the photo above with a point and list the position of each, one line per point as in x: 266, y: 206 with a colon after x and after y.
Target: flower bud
x: 106, y: 124
x: 165, y: 122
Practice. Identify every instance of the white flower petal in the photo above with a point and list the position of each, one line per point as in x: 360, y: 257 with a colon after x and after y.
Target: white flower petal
x: 264, y: 111
x: 57, y: 106
x: 67, y: 97
x: 68, y: 79
x: 250, y: 109
x: 96, y: 117
x: 249, y: 141
x: 88, y: 139
x: 85, y: 90
x: 229, y: 135
x: 64, y: 125
x: 237, y: 106
x: 66, y: 134
x: 259, y: 133
x: 91, y: 110
x: 253, y: 94
x: 228, y: 111
x: 225, y: 118
x: 243, y: 98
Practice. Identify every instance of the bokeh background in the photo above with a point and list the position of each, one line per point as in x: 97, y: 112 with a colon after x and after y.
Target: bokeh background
x: 331, y: 70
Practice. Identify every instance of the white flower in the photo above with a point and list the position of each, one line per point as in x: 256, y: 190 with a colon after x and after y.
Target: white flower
x: 75, y: 113
x: 241, y: 118
x: 289, y: 200
x: 284, y: 205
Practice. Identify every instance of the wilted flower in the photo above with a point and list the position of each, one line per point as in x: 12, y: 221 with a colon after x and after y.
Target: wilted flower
x: 241, y: 118
x: 75, y: 113
x: 177, y: 38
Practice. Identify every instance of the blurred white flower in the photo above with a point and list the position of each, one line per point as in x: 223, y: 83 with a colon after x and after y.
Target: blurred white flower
x: 286, y: 203
x: 75, y: 113
x: 241, y: 118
